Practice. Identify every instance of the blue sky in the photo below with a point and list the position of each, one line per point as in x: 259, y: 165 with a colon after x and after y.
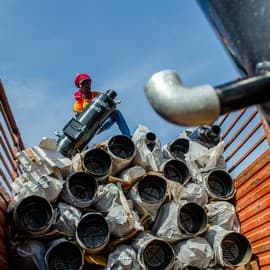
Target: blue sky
x: 119, y: 43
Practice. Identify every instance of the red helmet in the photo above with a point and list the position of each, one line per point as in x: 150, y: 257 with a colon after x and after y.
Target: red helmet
x: 81, y: 77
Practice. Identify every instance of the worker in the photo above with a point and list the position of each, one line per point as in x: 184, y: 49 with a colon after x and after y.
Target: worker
x: 84, y: 95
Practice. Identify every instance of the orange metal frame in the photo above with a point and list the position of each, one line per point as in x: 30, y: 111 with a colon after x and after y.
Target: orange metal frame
x: 252, y: 182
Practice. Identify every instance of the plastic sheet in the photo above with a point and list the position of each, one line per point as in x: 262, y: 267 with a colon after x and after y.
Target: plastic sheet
x: 195, y: 252
x: 120, y: 217
x: 67, y: 218
x: 177, y: 221
x: 27, y: 185
x: 123, y: 257
x: 195, y: 193
x: 28, y: 255
x: 149, y: 160
x: 45, y: 160
x: 200, y: 159
x: 223, y: 213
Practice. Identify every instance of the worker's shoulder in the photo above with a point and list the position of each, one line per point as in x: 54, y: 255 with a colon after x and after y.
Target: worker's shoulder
x: 95, y: 93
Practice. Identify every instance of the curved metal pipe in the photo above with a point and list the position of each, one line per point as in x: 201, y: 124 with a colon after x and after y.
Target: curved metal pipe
x: 181, y: 105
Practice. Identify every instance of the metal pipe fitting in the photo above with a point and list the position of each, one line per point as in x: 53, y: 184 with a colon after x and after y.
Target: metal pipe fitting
x: 98, y: 163
x: 34, y: 215
x: 63, y: 254
x: 180, y: 105
x: 122, y: 150
x: 80, y: 189
x: 93, y: 233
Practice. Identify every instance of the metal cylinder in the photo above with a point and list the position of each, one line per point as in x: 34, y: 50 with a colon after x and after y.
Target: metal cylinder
x: 33, y: 215
x: 122, y: 150
x: 219, y: 185
x: 98, y: 163
x: 178, y: 148
x: 63, y: 254
x: 231, y: 249
x: 153, y: 253
x: 177, y: 221
x: 206, y: 135
x: 152, y: 189
x: 176, y: 170
x: 234, y: 248
x: 150, y: 140
x: 192, y: 219
x: 80, y: 189
x: 93, y: 232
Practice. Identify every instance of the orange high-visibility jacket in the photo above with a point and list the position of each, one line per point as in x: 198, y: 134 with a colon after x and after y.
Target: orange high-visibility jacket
x: 81, y: 102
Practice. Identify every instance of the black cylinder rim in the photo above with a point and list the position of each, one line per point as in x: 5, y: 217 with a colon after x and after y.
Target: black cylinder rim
x: 176, y: 171
x: 157, y: 255
x: 97, y: 162
x: 192, y: 218
x: 235, y: 247
x: 93, y: 230
x: 81, y: 186
x: 121, y: 146
x: 64, y: 255
x: 152, y: 189
x: 220, y: 184
x: 179, y: 148
x: 33, y: 214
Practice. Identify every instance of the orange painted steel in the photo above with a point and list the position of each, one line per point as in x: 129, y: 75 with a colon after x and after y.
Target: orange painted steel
x: 11, y: 143
x: 253, y: 183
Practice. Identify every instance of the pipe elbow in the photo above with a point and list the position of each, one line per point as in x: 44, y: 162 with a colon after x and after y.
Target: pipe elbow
x: 179, y: 104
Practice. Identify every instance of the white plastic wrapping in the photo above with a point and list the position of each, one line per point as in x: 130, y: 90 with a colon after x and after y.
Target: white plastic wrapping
x: 149, y: 160
x: 231, y: 249
x: 121, y: 218
x: 131, y: 173
x: 195, y: 193
x: 67, y: 218
x: 27, y: 185
x: 45, y: 160
x: 199, y: 158
x: 106, y: 196
x: 123, y: 257
x: 195, y: 252
x: 223, y: 213
x: 169, y: 225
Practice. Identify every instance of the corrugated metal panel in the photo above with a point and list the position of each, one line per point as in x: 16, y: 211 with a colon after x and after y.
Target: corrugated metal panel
x: 247, y: 154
